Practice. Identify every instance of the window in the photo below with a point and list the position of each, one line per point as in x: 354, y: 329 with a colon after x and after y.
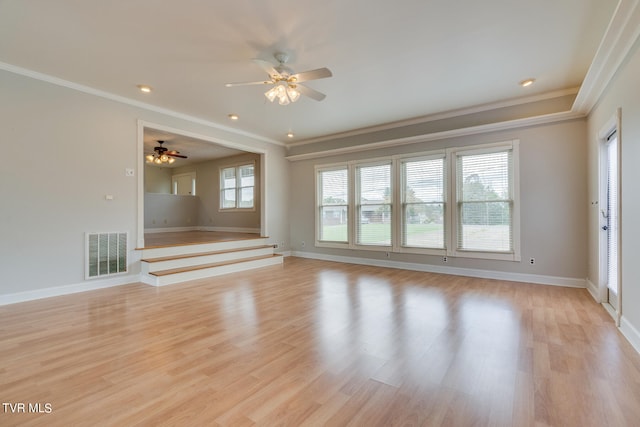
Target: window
x: 485, y: 202
x: 237, y: 185
x: 374, y: 202
x: 423, y: 204
x: 457, y: 202
x: 333, y: 206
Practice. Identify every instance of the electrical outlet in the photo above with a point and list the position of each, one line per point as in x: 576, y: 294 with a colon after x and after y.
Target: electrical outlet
x: 445, y: 259
x: 282, y: 244
x: 129, y: 172
x: 388, y: 255
x: 532, y: 261
x: 303, y: 244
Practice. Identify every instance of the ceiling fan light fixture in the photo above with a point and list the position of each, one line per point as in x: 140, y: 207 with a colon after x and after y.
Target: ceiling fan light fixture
x: 283, y: 100
x: 271, y: 94
x: 293, y: 93
x: 162, y: 155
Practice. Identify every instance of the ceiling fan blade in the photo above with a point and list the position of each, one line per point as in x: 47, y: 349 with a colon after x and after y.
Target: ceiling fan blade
x: 262, y: 82
x: 176, y: 155
x: 311, y: 93
x: 269, y: 68
x: 320, y: 73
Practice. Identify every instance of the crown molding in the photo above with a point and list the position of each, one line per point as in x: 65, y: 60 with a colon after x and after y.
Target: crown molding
x: 454, y: 133
x: 132, y: 102
x: 621, y: 34
x: 441, y: 116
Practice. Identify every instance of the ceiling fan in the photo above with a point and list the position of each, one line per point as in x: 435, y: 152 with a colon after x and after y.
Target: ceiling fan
x: 162, y: 154
x: 286, y: 84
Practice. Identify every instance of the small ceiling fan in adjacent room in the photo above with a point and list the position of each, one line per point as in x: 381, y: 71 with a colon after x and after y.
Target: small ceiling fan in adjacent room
x: 162, y: 155
x: 286, y: 83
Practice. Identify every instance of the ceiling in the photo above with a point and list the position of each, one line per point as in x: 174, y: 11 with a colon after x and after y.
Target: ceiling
x: 196, y: 150
x: 389, y: 63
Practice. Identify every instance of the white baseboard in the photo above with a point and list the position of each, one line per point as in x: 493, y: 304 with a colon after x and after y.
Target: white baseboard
x: 203, y: 228
x: 456, y: 271
x: 90, y: 285
x: 169, y: 229
x: 630, y: 333
x: 593, y: 290
x: 231, y: 229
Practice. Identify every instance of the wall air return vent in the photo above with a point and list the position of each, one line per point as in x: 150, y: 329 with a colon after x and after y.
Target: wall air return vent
x: 106, y: 254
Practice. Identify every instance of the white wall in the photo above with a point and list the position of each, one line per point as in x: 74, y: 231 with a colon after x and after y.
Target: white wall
x: 53, y: 188
x: 553, y: 176
x: 622, y: 92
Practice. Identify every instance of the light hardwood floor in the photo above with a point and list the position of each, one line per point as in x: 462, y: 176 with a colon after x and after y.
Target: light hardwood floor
x: 154, y: 240
x: 318, y: 343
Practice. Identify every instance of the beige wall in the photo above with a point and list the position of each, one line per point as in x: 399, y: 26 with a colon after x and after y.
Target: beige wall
x: 208, y: 191
x: 553, y: 176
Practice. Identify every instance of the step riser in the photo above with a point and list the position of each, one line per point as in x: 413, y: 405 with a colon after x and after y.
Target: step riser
x: 210, y: 272
x: 150, y: 267
x: 202, y: 247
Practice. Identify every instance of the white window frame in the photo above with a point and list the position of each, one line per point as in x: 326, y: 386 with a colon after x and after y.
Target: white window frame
x: 319, y: 205
x: 399, y: 225
x: 454, y: 213
x: 355, y: 215
x: 450, y: 202
x: 238, y: 188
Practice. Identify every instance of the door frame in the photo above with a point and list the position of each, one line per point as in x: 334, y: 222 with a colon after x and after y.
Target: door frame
x: 142, y: 124
x: 613, y: 125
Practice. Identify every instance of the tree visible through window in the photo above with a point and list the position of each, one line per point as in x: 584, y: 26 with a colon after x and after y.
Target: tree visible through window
x: 459, y: 201
x: 485, y: 202
x: 423, y: 203
x: 375, y: 200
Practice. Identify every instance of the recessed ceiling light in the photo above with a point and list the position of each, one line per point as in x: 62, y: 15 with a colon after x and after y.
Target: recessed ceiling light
x: 527, y: 82
x: 290, y: 134
x: 144, y: 88
x: 234, y: 116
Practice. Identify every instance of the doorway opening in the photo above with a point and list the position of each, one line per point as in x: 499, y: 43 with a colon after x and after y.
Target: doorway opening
x: 183, y: 195
x: 609, y: 219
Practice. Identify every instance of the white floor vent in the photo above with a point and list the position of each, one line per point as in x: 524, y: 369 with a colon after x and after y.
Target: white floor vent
x: 106, y: 254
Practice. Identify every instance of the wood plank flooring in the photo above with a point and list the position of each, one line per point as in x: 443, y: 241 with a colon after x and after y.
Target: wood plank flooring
x: 154, y: 240
x: 314, y: 343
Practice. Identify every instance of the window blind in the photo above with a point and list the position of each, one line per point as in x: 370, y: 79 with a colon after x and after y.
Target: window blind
x: 485, y: 201
x: 612, y: 214
x: 423, y: 203
x: 374, y: 205
x: 333, y: 201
